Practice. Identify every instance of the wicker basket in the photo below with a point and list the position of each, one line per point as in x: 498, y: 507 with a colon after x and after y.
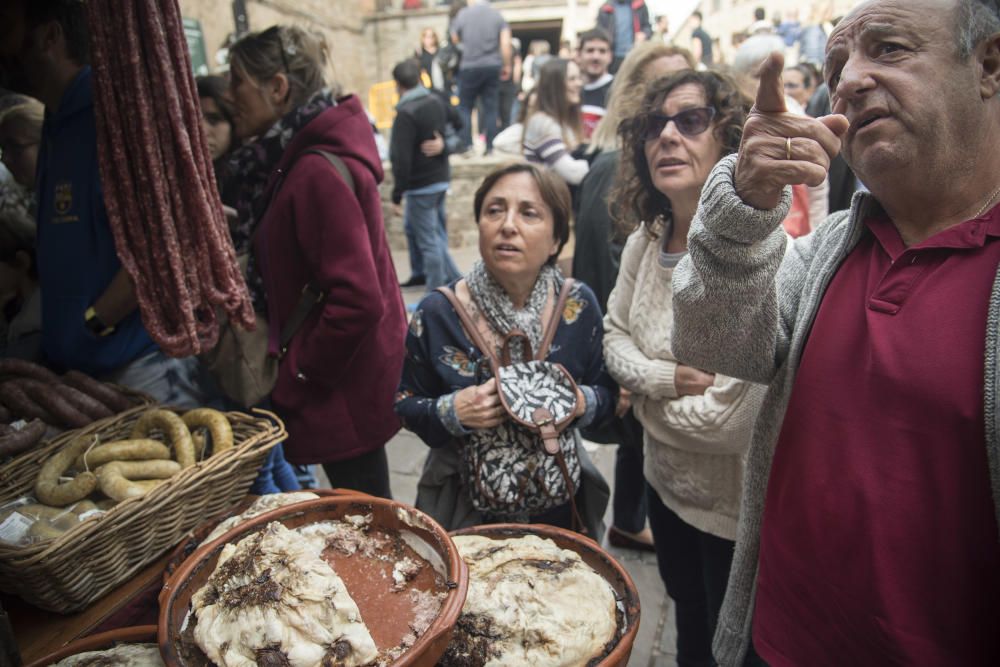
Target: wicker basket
x: 12, y: 472
x: 70, y: 572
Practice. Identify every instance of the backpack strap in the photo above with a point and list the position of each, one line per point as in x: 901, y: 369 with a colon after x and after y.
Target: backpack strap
x: 505, y: 345
x: 311, y: 296
x: 557, y: 314
x: 470, y: 326
x: 576, y: 520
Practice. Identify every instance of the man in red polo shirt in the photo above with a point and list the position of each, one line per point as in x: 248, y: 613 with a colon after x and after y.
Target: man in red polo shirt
x: 869, y: 527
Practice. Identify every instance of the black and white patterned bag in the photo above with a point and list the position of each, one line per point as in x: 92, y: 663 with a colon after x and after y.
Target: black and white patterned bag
x: 528, y: 464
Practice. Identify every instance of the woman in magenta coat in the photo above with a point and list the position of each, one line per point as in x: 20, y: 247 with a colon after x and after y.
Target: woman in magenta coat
x: 311, y: 226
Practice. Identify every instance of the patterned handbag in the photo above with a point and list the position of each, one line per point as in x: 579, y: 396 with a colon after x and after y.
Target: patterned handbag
x: 528, y: 464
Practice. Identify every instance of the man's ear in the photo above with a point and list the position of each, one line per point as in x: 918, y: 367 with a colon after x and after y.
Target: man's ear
x: 49, y: 36
x: 988, y: 55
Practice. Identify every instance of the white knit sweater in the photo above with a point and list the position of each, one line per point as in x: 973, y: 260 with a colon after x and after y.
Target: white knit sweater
x: 694, y: 445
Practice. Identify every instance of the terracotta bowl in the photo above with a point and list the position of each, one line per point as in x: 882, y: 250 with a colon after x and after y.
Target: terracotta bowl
x: 389, y: 515
x: 594, y: 556
x: 193, y: 540
x: 140, y: 634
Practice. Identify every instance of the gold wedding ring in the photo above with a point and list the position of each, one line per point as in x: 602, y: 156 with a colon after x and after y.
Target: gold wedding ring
x: 788, y: 148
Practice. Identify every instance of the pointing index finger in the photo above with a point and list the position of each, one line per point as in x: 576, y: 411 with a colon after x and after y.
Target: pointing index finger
x: 771, y: 92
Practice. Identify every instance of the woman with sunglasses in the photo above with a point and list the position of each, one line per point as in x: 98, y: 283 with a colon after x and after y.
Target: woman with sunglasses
x: 697, y: 425
x: 311, y: 216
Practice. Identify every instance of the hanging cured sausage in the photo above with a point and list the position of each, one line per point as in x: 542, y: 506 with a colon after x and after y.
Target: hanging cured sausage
x: 156, y: 173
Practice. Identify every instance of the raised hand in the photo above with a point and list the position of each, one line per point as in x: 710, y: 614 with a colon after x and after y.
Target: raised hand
x: 781, y: 148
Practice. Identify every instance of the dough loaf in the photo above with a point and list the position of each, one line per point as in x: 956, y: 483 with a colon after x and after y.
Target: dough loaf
x: 272, y: 593
x: 532, y: 603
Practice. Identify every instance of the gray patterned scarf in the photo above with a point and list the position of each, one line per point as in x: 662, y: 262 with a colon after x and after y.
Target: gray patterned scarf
x: 499, y: 311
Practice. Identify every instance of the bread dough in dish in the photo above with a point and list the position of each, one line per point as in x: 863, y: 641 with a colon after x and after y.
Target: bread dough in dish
x: 123, y: 655
x: 271, y: 501
x: 273, y: 599
x: 531, y: 603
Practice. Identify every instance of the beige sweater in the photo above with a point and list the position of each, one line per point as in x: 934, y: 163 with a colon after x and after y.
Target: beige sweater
x: 694, y: 445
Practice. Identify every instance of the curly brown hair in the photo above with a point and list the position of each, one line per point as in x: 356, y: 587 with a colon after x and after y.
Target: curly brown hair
x: 635, y: 200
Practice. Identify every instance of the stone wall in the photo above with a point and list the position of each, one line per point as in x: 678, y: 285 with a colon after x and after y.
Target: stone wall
x: 340, y: 22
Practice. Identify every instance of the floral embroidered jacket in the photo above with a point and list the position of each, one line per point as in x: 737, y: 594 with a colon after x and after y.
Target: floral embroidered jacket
x: 441, y: 360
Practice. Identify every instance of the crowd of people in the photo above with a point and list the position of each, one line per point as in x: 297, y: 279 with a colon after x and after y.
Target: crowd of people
x: 782, y: 308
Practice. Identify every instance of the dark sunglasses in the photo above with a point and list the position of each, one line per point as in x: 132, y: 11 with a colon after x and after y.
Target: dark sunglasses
x: 690, y: 122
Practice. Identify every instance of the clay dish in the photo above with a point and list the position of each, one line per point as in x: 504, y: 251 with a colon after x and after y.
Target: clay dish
x: 597, y: 558
x: 193, y: 539
x: 391, y: 516
x: 140, y: 634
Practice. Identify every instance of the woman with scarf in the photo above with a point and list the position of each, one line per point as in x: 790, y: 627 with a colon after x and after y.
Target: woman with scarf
x: 311, y: 218
x: 448, y: 396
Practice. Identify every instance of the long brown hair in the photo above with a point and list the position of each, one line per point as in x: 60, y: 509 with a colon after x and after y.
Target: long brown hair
x: 635, y: 199
x: 550, y: 99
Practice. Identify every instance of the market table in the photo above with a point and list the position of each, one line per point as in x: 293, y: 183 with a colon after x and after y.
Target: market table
x: 40, y: 632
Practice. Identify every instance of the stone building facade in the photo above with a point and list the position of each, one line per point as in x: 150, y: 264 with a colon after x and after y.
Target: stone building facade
x: 367, y: 37
x: 342, y: 23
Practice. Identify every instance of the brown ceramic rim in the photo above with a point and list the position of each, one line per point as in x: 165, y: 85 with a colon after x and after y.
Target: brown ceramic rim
x: 584, y: 546
x: 193, y: 539
x: 437, y: 635
x: 139, y: 634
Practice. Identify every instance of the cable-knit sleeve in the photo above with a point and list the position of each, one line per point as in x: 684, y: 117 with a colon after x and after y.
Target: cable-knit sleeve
x: 717, y: 422
x: 726, y: 311
x: 627, y: 364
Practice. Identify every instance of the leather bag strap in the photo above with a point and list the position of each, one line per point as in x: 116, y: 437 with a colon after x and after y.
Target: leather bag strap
x: 550, y: 331
x: 505, y: 345
x: 311, y: 296
x: 470, y: 326
x: 576, y: 521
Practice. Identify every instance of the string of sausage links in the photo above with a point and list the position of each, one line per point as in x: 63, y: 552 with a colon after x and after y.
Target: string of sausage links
x: 156, y: 172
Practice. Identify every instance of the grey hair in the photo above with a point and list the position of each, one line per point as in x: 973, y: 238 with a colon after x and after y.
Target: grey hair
x: 976, y: 20
x: 753, y: 51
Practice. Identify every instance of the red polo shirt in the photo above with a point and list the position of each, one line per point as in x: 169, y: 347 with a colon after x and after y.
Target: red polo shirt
x: 879, y: 541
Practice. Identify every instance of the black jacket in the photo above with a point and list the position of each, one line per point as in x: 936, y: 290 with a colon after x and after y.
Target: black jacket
x: 417, y: 119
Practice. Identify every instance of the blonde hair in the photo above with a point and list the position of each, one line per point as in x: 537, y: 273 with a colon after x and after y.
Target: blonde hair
x: 628, y: 88
x: 423, y: 33
x: 299, y: 54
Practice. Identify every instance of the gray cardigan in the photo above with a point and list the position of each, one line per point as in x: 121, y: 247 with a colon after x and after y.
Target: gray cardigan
x: 743, y: 306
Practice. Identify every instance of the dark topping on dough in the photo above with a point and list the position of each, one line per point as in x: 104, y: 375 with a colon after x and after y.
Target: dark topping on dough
x: 472, y: 643
x: 337, y: 654
x: 271, y: 657
x: 553, y: 566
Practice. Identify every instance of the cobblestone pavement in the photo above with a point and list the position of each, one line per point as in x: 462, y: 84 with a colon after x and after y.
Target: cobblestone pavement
x: 655, y: 645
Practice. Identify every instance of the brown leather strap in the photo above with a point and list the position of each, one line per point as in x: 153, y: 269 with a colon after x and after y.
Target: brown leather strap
x: 470, y: 326
x: 547, y: 430
x: 505, y: 346
x: 557, y: 313
x: 576, y: 521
